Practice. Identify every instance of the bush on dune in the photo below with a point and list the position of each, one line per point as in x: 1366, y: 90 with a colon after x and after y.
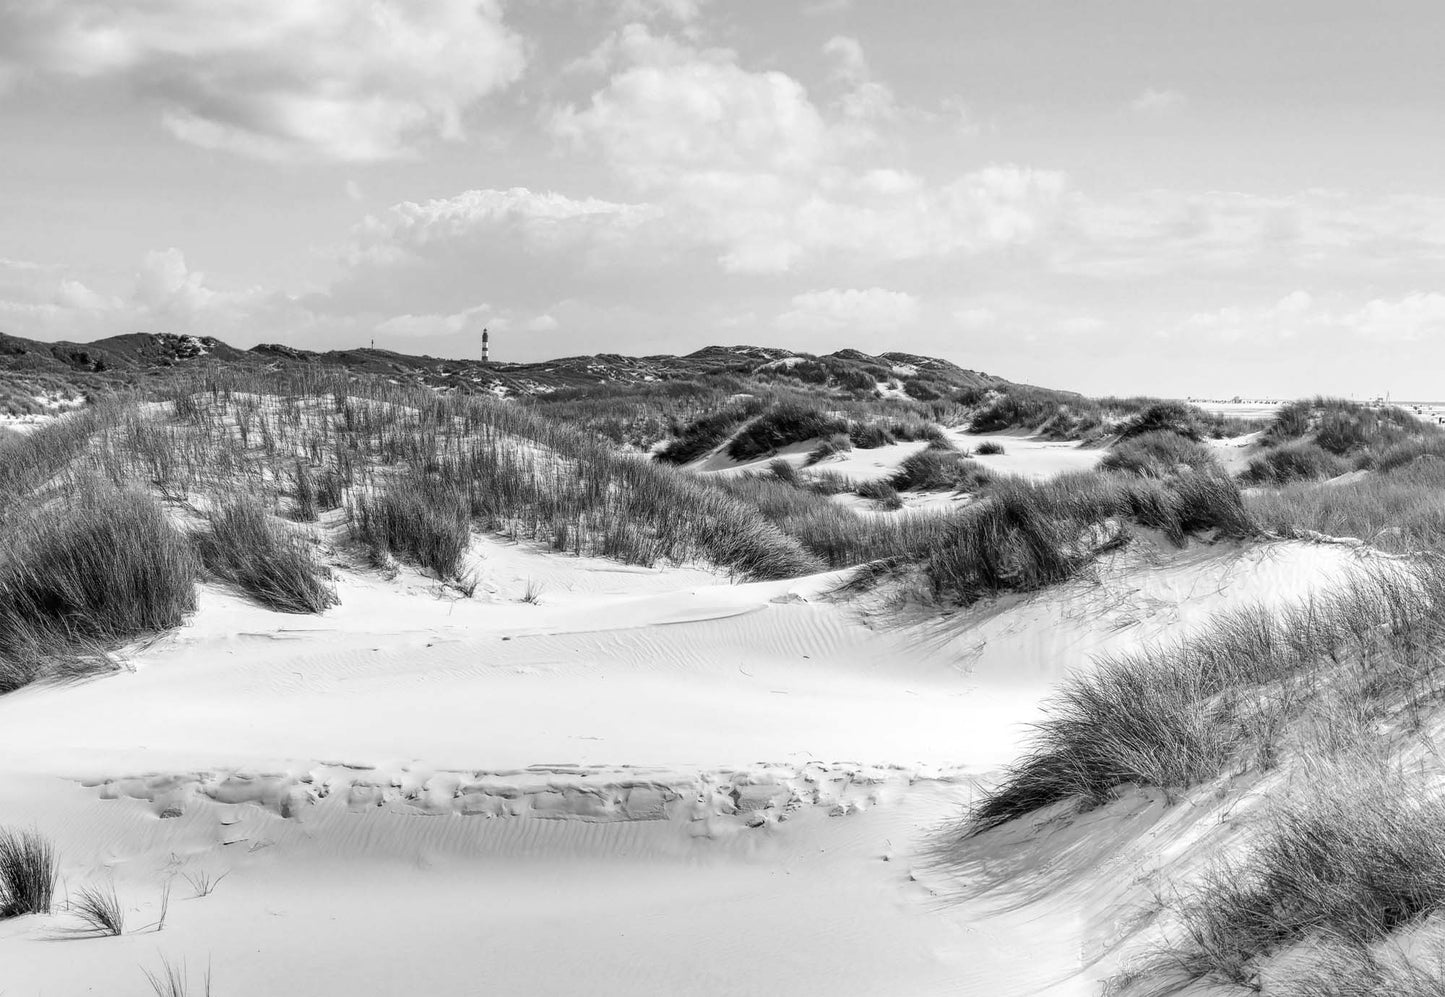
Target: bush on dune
x: 933, y: 469
x: 1158, y: 453
x: 27, y: 874
x: 1398, y: 510
x: 1024, y: 535
x: 1178, y: 714
x: 835, y: 444
x: 424, y: 521
x: 1298, y: 461
x: 882, y: 493
x: 781, y: 426
x: 243, y: 544
x: 1407, y: 452
x: 1164, y: 417
x: 869, y: 436
x: 1342, y: 427
x: 101, y: 567
x: 1350, y: 865
x: 705, y: 434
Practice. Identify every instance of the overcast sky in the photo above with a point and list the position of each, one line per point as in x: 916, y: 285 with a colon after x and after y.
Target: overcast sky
x: 1185, y: 197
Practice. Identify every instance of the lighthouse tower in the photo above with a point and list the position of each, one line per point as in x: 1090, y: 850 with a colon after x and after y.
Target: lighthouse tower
x: 484, y: 346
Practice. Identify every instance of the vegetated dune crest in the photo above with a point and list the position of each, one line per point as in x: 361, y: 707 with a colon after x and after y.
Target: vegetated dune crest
x: 688, y: 786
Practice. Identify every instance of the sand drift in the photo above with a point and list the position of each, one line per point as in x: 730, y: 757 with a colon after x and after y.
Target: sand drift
x: 637, y: 782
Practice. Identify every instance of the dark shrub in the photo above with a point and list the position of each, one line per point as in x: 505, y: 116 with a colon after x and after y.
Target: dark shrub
x: 244, y: 545
x: 835, y: 444
x: 786, y: 424
x: 1156, y: 454
x: 932, y: 469
x: 869, y: 436
x: 425, y: 522
x: 27, y: 874
x: 1165, y: 417
x: 883, y: 493
x: 102, y: 567
x: 1298, y: 461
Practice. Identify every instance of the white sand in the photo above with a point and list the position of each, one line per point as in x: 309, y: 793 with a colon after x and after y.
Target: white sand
x: 647, y: 782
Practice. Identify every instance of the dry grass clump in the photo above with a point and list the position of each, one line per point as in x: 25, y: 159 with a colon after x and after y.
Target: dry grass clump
x: 423, y: 521
x: 1157, y: 454
x: 835, y: 444
x: 833, y: 536
x: 882, y: 494
x: 1407, y: 452
x: 1342, y: 969
x: 1178, y: 714
x: 1064, y: 415
x: 783, y: 470
x: 989, y: 448
x: 1348, y: 865
x: 27, y: 874
x: 99, y: 907
x: 1025, y: 535
x: 174, y: 981
x: 243, y: 544
x: 869, y: 435
x: 100, y: 566
x: 28, y: 461
x: 1344, y: 427
x: 706, y: 433
x: 829, y: 483
x: 1165, y: 417
x: 1398, y: 510
x: 936, y: 468
x: 1301, y: 460
x: 781, y: 426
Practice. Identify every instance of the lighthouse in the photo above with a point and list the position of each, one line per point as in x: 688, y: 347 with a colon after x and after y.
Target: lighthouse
x: 484, y: 346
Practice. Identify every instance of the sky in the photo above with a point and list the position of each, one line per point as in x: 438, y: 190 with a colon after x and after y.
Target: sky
x: 1190, y: 198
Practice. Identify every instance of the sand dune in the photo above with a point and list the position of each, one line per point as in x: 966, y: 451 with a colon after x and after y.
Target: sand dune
x: 648, y: 781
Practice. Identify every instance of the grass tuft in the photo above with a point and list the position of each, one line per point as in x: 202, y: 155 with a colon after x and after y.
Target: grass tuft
x: 1353, y: 864
x: 1301, y: 460
x: 935, y: 468
x: 243, y: 544
x: 99, y: 907
x: 781, y: 426
x: 174, y: 981
x: 98, y: 567
x: 429, y: 524
x: 1158, y: 454
x: 27, y: 874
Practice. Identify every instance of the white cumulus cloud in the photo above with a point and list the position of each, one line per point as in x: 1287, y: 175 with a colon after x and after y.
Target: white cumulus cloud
x: 279, y: 79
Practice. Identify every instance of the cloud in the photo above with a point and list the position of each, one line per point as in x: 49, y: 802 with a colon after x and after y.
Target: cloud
x: 279, y: 79
x: 745, y: 164
x: 490, y: 222
x: 837, y: 309
x: 1413, y: 317
x: 674, y: 111
x: 36, y: 297
x: 681, y: 11
x: 425, y: 326
x: 1158, y: 102
x: 1312, y: 231
x: 851, y: 64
